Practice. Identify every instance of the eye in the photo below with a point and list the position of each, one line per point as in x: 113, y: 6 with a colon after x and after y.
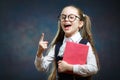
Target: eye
x: 63, y: 17
x: 71, y: 17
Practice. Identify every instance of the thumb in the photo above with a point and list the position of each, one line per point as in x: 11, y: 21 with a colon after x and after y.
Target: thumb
x: 42, y: 37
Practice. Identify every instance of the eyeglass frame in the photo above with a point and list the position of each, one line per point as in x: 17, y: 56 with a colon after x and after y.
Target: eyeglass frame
x: 68, y: 16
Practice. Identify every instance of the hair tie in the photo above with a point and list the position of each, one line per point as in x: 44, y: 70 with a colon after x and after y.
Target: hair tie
x: 84, y: 15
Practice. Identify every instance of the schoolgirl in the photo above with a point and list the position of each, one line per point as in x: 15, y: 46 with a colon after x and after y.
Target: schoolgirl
x: 73, y: 26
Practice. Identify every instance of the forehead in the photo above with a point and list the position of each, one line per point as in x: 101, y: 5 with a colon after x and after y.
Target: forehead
x: 69, y: 10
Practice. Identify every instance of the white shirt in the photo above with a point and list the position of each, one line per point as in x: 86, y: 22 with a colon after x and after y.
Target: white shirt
x: 87, y: 69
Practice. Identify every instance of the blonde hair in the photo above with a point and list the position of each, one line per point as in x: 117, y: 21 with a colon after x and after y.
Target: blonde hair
x: 85, y: 33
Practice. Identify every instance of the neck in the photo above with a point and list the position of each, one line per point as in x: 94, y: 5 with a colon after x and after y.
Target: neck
x: 70, y: 35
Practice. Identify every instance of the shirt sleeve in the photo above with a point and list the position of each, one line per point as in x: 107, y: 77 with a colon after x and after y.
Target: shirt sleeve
x: 90, y: 67
x: 42, y: 64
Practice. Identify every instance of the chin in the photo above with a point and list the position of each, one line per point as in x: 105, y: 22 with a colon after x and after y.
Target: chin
x: 68, y: 34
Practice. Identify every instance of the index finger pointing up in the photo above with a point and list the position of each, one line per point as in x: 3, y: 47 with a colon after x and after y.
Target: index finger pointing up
x: 42, y: 37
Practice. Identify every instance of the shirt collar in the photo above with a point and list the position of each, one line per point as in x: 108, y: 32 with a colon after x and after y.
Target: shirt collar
x: 75, y: 38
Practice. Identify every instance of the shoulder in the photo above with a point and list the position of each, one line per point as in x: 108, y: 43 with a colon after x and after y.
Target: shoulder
x: 84, y: 41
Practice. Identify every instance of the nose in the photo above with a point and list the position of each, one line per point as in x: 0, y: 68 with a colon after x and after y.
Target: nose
x: 66, y: 18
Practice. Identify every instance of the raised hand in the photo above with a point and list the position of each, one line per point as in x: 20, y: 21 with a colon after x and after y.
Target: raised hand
x: 42, y: 44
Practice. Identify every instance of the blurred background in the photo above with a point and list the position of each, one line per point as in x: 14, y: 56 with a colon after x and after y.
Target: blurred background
x: 23, y: 21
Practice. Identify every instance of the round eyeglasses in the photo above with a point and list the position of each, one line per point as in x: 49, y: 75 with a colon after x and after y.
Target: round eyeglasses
x: 71, y: 17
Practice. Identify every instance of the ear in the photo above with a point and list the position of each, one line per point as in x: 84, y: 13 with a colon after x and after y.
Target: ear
x: 80, y: 24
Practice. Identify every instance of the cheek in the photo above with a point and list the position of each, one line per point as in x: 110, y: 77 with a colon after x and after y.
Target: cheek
x: 75, y: 26
x: 62, y: 26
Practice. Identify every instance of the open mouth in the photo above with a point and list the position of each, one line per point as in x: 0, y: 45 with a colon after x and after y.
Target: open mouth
x: 67, y: 26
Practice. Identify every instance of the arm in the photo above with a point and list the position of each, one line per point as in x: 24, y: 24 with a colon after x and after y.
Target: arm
x: 90, y: 67
x: 41, y: 62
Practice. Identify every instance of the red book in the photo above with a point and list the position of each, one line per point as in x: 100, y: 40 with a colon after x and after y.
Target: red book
x: 75, y: 53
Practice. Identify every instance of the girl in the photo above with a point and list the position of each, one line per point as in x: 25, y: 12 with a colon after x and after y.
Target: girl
x: 73, y: 26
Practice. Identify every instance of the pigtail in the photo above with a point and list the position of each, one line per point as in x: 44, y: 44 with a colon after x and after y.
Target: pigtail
x: 52, y: 76
x: 87, y: 34
x: 59, y: 35
x: 86, y: 29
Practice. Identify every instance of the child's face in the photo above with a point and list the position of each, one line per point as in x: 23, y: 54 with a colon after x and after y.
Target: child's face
x: 70, y: 21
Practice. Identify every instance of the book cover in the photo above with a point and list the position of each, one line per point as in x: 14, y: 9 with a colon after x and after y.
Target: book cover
x: 75, y: 53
